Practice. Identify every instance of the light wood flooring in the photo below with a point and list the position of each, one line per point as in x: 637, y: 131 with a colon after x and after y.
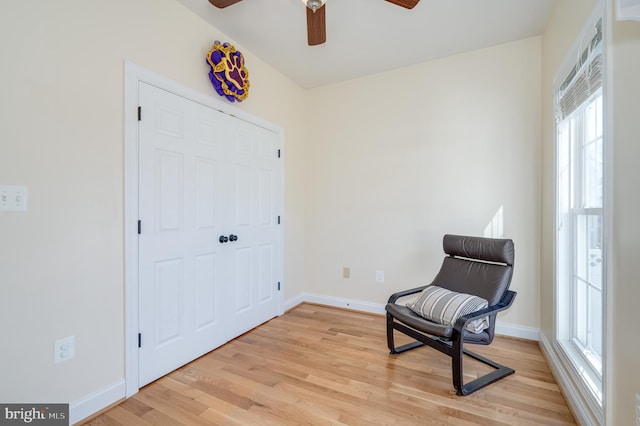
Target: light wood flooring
x: 318, y: 365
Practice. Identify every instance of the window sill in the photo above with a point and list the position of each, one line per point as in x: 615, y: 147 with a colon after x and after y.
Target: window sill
x: 589, y: 380
x: 584, y: 405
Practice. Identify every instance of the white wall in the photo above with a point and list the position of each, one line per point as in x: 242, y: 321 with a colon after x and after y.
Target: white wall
x: 396, y: 160
x: 61, y: 135
x: 624, y: 360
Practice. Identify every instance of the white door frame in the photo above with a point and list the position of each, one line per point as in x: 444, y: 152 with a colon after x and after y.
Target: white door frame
x: 133, y: 75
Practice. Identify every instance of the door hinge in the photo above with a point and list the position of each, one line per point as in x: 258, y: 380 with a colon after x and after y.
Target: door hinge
x: 139, y: 227
x: 278, y: 153
x: 278, y: 220
x: 139, y: 113
x: 139, y: 340
x: 278, y: 285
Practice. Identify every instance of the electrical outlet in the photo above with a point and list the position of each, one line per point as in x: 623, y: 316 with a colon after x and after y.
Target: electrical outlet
x: 380, y: 276
x: 13, y: 198
x: 346, y: 272
x: 64, y: 349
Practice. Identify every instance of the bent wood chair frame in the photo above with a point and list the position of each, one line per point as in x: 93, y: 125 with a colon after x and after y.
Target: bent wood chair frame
x: 453, y: 348
x: 453, y: 345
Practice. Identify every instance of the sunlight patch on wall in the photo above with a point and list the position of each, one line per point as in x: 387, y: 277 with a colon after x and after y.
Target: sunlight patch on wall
x: 495, y: 228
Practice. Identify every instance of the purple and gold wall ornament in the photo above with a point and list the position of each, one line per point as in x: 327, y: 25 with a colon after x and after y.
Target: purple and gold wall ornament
x: 228, y: 74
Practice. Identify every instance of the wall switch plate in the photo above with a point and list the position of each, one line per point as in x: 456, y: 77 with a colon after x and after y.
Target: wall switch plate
x: 64, y: 349
x: 380, y: 276
x: 346, y: 272
x: 13, y: 198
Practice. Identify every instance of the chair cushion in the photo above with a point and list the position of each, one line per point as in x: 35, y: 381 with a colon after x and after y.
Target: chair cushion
x: 413, y: 320
x: 444, y: 307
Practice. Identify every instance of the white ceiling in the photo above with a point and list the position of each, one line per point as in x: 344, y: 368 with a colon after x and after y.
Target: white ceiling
x: 370, y: 36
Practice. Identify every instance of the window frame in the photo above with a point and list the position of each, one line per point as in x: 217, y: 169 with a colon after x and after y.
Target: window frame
x: 570, y: 350
x: 577, y: 141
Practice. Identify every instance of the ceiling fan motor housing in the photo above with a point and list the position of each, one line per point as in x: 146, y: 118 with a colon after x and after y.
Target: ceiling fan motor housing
x: 314, y: 4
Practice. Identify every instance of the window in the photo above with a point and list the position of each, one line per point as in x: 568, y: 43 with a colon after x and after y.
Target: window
x: 580, y: 255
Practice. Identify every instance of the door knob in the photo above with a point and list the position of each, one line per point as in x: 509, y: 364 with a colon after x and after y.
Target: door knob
x: 233, y: 237
x: 223, y: 239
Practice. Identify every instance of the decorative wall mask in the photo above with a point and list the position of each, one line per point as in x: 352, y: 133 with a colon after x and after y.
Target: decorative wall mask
x: 228, y: 74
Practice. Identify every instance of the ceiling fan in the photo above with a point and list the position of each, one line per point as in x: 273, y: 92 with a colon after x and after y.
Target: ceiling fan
x: 316, y: 26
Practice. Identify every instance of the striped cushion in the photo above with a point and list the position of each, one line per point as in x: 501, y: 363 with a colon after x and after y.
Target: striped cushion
x: 443, y: 306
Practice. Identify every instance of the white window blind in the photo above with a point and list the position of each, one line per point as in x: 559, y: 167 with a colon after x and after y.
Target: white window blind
x: 584, y: 79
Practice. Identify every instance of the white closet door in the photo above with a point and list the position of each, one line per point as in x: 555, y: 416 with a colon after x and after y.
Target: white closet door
x: 254, y: 256
x: 182, y: 211
x: 203, y: 175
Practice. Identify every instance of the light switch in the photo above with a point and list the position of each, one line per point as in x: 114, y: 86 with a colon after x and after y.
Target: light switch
x: 13, y: 198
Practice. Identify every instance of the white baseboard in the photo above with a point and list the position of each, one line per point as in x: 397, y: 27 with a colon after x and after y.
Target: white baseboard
x: 293, y: 302
x: 570, y: 389
x: 520, y: 331
x: 511, y: 330
x: 95, y: 402
x: 338, y: 302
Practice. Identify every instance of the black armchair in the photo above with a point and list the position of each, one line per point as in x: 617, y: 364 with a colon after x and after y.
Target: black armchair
x: 476, y: 266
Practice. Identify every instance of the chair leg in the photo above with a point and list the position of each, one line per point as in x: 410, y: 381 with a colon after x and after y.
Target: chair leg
x: 456, y: 365
x: 391, y: 343
x: 458, y: 377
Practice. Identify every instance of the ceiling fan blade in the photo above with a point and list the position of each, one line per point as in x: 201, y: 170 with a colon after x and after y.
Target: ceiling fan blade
x: 316, y: 26
x: 408, y: 4
x: 223, y: 3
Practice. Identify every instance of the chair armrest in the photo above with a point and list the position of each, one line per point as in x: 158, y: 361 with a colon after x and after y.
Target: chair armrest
x: 505, y: 303
x: 398, y: 295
